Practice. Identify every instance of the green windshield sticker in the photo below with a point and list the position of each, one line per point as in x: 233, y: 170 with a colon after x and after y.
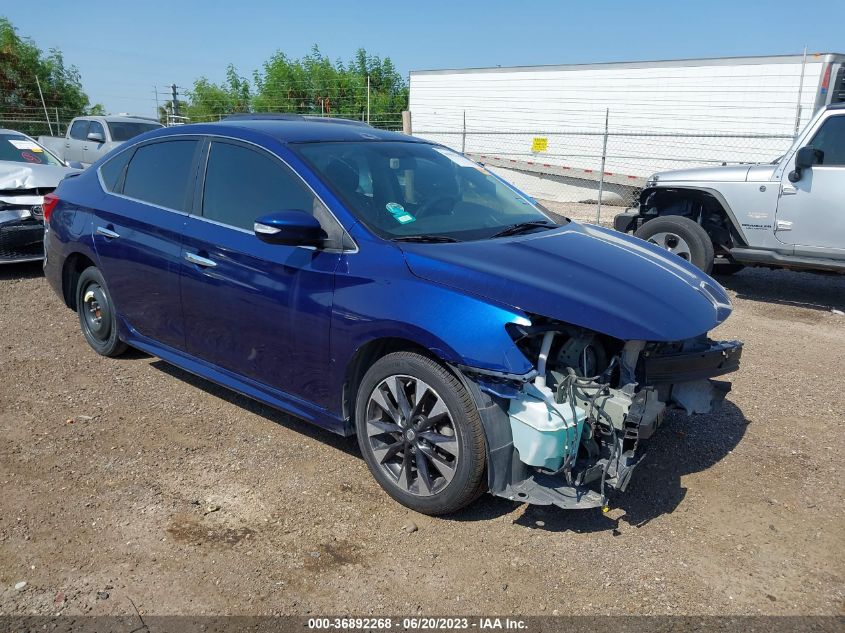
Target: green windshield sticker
x: 404, y: 219
x: 395, y: 208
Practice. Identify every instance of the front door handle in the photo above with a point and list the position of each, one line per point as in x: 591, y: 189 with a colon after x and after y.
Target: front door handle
x: 200, y: 261
x: 787, y: 190
x: 101, y: 230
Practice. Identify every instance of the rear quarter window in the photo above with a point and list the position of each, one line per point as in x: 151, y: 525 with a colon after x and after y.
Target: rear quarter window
x: 112, y: 171
x: 161, y: 173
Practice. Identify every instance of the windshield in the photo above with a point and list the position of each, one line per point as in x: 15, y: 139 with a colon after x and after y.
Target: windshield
x: 404, y: 190
x: 21, y: 149
x: 124, y: 130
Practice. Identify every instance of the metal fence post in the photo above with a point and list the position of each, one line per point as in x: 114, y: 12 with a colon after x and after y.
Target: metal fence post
x: 603, y: 161
x: 800, y: 90
x: 44, y: 105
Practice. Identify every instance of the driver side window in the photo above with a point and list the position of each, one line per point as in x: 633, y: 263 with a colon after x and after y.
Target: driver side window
x: 242, y: 184
x: 830, y: 139
x: 79, y: 130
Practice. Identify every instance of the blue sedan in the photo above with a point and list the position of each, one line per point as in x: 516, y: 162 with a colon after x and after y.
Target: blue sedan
x: 387, y: 287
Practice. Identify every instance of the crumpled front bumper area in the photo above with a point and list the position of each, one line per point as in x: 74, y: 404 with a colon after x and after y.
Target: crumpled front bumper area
x: 21, y: 229
x: 569, y: 440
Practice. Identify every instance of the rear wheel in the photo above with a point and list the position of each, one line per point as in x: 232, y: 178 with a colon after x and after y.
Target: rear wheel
x: 420, y: 433
x: 681, y: 236
x: 96, y: 314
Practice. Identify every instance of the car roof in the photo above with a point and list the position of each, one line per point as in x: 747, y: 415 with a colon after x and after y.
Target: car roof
x: 118, y: 118
x: 294, y: 129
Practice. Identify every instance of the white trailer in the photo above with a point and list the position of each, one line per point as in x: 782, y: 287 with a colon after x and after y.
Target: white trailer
x: 561, y: 132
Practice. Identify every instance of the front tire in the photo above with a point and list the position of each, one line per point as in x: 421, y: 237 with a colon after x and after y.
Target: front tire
x: 420, y: 433
x: 97, y: 316
x: 681, y: 236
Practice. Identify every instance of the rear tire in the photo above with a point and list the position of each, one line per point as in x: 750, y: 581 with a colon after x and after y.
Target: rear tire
x: 97, y: 316
x: 420, y: 433
x: 681, y: 236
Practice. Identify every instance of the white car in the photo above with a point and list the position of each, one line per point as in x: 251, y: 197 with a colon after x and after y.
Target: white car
x: 28, y: 172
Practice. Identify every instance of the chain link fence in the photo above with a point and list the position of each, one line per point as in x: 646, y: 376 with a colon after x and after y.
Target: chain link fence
x: 592, y: 174
x: 34, y: 121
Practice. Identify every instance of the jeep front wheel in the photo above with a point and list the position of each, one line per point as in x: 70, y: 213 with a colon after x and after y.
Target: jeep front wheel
x: 681, y: 236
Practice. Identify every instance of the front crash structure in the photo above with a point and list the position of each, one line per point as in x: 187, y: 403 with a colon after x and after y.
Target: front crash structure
x: 574, y: 429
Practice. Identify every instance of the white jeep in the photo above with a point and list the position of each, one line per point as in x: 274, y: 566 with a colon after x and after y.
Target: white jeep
x: 789, y: 213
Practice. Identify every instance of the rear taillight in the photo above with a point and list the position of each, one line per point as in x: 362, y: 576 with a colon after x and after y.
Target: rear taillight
x: 50, y: 202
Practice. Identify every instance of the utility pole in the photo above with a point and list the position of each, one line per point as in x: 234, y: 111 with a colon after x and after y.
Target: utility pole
x: 158, y: 112
x: 368, y: 99
x: 174, y: 95
x: 44, y: 105
x: 464, y: 135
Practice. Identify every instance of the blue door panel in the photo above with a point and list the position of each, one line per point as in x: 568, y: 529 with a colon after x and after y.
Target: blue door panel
x: 262, y: 311
x: 142, y: 266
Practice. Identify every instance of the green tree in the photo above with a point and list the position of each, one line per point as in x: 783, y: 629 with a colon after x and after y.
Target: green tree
x: 21, y: 61
x: 312, y: 85
x: 208, y: 101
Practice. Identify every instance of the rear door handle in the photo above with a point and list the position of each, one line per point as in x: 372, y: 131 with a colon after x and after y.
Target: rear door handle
x: 200, y: 261
x: 101, y: 230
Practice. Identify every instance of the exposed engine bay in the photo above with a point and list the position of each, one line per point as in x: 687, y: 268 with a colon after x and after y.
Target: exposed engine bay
x: 579, y: 424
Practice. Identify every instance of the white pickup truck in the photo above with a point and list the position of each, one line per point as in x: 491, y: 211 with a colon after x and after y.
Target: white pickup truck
x: 90, y: 137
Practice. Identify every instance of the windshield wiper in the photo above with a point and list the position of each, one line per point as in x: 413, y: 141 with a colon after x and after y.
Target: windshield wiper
x: 522, y: 227
x: 424, y: 238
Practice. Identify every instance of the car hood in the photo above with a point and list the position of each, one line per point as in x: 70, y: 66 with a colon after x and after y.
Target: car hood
x: 15, y: 175
x: 583, y: 275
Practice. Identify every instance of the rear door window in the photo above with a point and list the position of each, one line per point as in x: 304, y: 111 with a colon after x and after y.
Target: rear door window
x: 79, y: 130
x: 162, y: 173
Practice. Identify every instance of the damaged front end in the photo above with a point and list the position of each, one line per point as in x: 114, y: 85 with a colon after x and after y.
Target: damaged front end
x: 575, y: 428
x: 22, y: 224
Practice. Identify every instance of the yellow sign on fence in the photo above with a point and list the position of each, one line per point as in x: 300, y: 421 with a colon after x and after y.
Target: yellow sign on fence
x: 539, y: 144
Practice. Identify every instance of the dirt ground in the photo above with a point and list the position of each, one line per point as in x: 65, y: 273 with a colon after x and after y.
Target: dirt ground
x: 128, y: 481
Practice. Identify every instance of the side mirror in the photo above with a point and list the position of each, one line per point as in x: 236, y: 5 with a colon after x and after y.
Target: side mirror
x: 96, y: 137
x: 293, y: 228
x: 805, y: 158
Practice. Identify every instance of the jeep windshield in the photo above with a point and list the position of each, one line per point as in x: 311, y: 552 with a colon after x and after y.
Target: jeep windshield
x: 424, y: 193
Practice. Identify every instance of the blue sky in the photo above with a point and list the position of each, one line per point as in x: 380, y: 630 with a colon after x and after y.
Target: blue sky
x: 124, y: 49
